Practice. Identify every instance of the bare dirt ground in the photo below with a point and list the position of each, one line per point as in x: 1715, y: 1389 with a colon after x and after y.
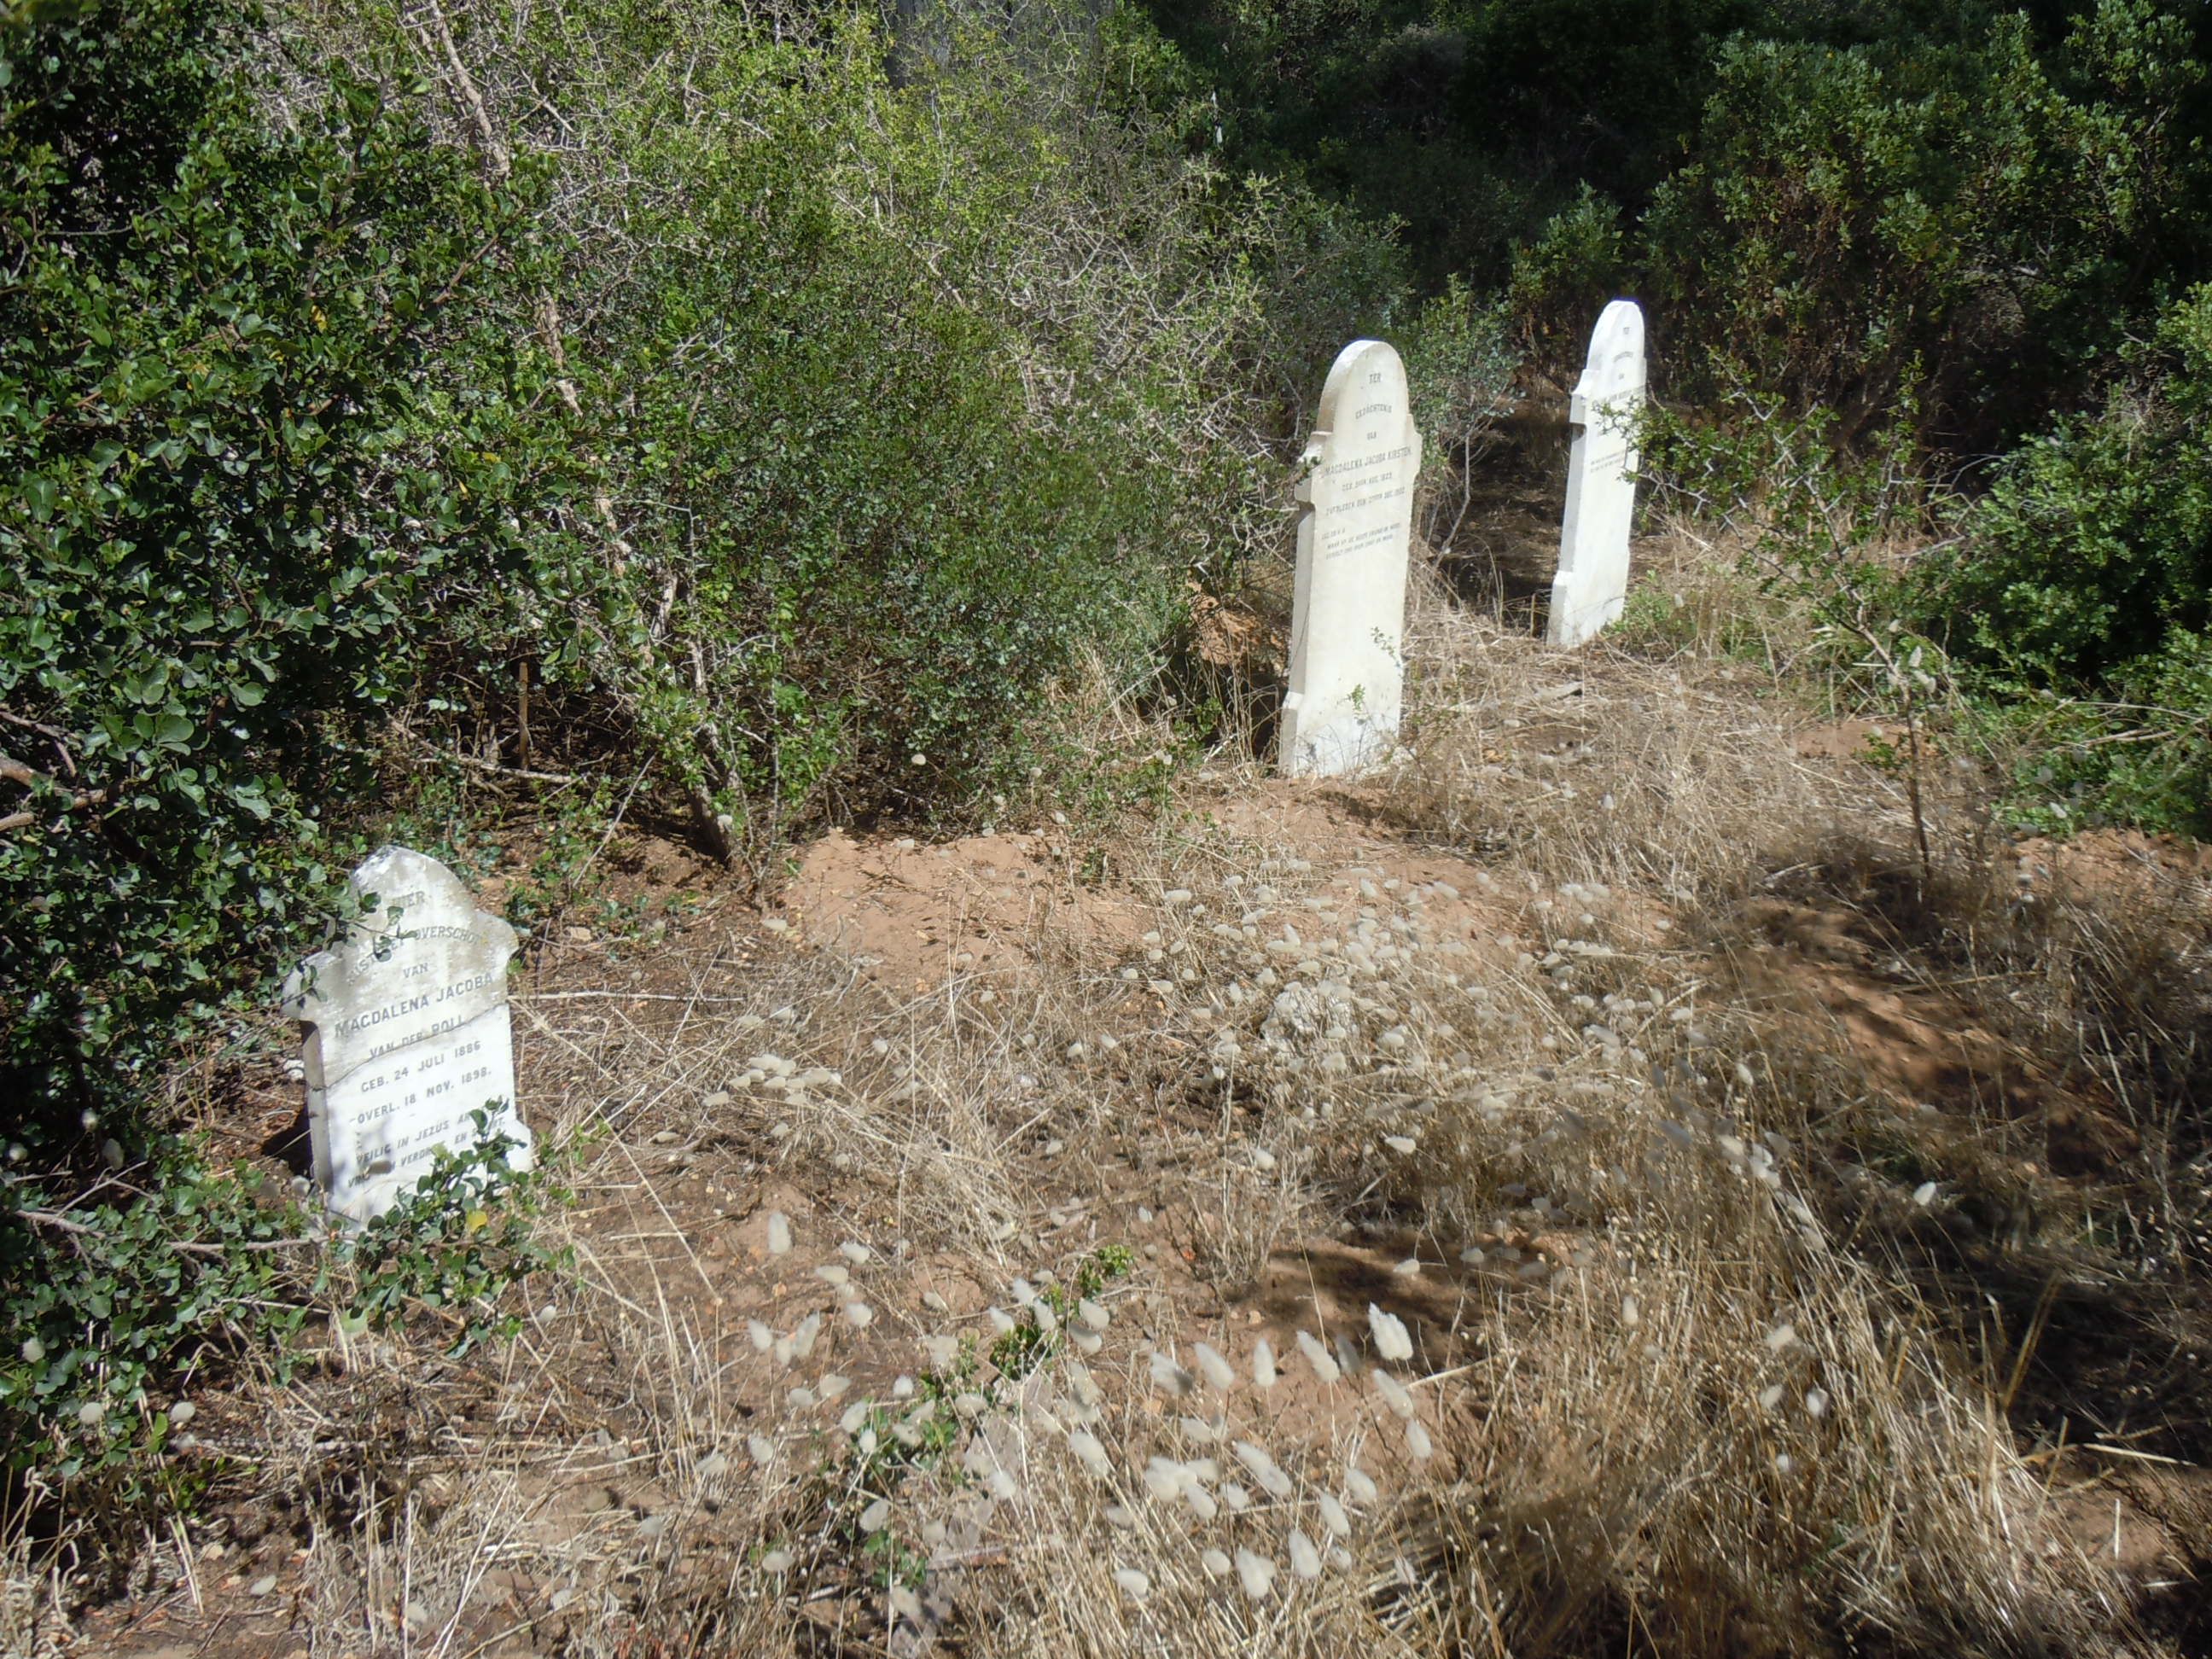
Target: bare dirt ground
x: 1477, y: 1208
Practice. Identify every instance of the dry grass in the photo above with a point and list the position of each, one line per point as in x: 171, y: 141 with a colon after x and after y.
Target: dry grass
x: 1683, y: 1374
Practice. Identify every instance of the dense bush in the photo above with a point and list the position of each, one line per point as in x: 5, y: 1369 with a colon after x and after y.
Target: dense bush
x: 2081, y: 595
x: 1839, y: 199
x: 872, y: 511
x: 909, y: 398
x: 1966, y: 217
x: 256, y: 457
x: 246, y: 465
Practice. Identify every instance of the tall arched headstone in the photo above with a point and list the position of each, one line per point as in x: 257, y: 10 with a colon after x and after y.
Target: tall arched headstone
x: 1348, y: 615
x: 407, y: 1034
x: 1593, y: 579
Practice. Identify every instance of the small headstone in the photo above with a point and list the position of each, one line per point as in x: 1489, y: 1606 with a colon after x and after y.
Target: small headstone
x: 407, y: 1034
x: 1593, y: 579
x: 1348, y: 613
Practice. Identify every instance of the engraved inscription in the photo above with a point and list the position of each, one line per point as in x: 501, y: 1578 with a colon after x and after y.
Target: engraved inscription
x: 408, y: 1034
x: 1348, y: 612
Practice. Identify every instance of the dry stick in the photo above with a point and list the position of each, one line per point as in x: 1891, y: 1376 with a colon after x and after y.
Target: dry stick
x: 626, y: 996
x: 55, y: 732
x: 74, y: 804
x: 499, y: 771
x: 522, y: 711
x: 14, y: 771
x: 499, y: 162
x: 62, y: 1224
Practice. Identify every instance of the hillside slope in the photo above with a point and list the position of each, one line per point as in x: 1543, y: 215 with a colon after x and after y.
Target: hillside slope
x: 1565, y: 1191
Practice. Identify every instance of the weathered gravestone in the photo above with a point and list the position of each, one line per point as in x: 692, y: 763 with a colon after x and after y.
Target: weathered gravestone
x: 407, y: 1034
x: 1348, y: 612
x: 1593, y: 579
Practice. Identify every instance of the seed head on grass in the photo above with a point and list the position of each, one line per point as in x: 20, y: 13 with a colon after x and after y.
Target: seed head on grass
x: 1391, y: 1340
x: 1089, y: 1453
x: 1333, y: 1517
x: 1218, y: 1373
x: 1169, y: 1377
x: 1394, y: 1393
x: 1325, y: 1368
x: 1263, y: 1468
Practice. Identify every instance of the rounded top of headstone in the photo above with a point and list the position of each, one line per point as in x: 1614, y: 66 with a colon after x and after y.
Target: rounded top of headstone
x: 418, y: 900
x: 1351, y: 374
x: 1615, y: 363
x: 415, y: 891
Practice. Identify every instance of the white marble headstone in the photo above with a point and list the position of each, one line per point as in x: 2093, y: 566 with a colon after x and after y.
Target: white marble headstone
x: 1593, y: 579
x: 407, y: 1034
x: 1348, y: 613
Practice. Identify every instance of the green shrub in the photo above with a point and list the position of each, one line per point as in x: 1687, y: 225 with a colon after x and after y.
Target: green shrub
x: 1460, y: 368
x: 910, y: 401
x: 2081, y: 595
x: 458, y: 1242
x: 258, y: 462
x: 246, y: 465
x: 173, y: 1274
x: 2095, y: 539
x: 1961, y: 210
x: 124, y: 1293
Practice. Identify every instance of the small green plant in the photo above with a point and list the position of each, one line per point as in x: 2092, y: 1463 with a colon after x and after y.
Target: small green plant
x: 169, y: 1271
x: 897, y: 1437
x: 458, y: 1243
x: 1033, y: 1341
x: 559, y: 876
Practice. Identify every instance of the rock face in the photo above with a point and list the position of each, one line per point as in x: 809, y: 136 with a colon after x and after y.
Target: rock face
x: 406, y: 1034
x: 1348, y: 618
x: 1593, y: 579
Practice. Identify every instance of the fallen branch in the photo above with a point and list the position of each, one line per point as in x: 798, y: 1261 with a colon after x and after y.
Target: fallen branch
x: 73, y: 804
x: 499, y: 771
x: 55, y: 1221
